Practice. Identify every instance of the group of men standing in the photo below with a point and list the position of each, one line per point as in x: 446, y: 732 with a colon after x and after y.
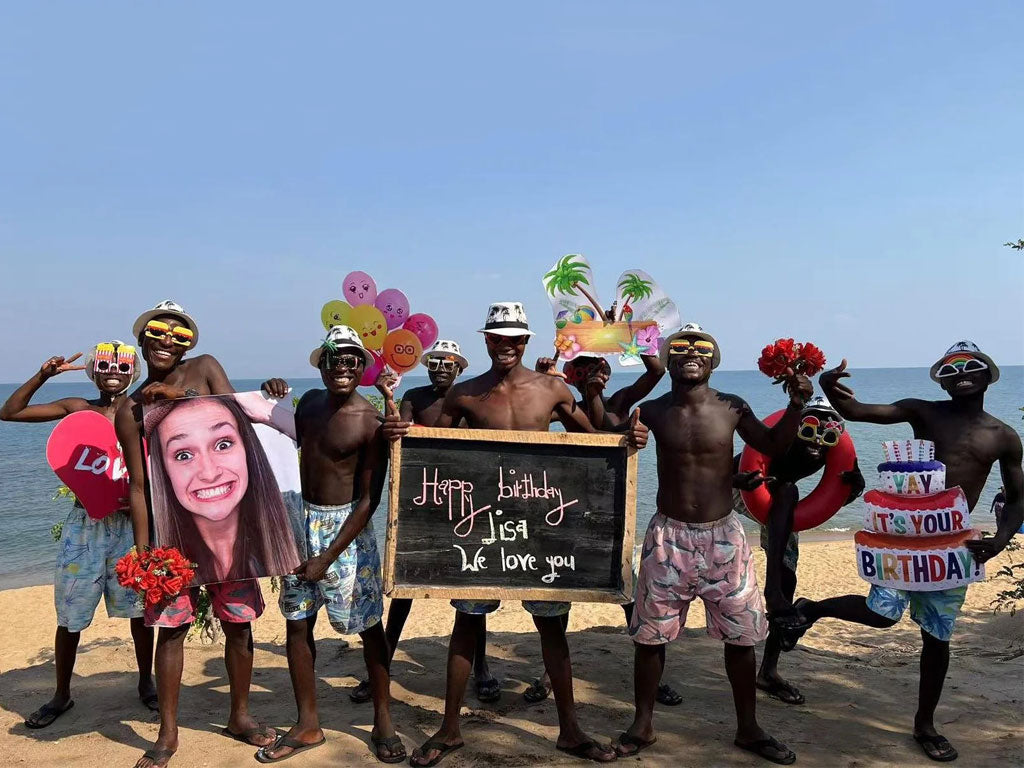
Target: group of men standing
x: 694, y: 547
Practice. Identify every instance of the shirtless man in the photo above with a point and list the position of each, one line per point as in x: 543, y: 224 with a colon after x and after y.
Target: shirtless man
x: 968, y: 441
x: 695, y: 544
x: 820, y: 430
x: 89, y: 548
x: 422, y: 406
x: 344, y: 459
x: 165, y: 334
x: 590, y: 374
x: 510, y: 396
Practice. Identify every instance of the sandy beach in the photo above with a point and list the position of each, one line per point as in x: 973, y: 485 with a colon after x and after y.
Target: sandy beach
x: 861, y: 688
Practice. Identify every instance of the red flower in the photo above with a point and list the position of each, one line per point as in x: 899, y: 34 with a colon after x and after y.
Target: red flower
x: 172, y: 586
x: 776, y: 358
x: 813, y: 359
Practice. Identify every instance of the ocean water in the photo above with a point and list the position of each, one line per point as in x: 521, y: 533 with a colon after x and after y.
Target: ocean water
x: 27, y: 511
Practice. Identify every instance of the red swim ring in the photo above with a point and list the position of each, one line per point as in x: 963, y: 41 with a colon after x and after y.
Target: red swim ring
x: 821, y: 503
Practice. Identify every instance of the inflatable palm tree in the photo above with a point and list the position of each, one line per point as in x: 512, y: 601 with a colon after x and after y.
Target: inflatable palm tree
x: 633, y: 288
x: 569, y: 276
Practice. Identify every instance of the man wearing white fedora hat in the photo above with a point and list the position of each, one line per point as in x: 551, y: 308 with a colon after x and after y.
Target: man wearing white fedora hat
x: 968, y: 440
x: 510, y: 396
x: 165, y: 334
x: 342, y: 464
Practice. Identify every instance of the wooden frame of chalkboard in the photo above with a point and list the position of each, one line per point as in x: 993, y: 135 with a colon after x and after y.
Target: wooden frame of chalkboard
x: 614, y: 582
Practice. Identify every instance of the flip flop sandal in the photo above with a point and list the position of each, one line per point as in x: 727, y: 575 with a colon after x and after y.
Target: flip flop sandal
x: 439, y: 746
x: 488, y: 691
x: 628, y: 740
x: 761, y: 748
x: 536, y: 692
x: 944, y: 752
x: 392, y: 744
x: 151, y: 702
x: 160, y: 756
x: 669, y: 696
x: 285, y: 740
x: 246, y: 736
x: 784, y: 692
x: 361, y: 693
x: 584, y: 750
x: 46, y: 715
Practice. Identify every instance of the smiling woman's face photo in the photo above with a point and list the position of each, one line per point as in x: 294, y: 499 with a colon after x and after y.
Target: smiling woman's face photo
x: 204, y: 458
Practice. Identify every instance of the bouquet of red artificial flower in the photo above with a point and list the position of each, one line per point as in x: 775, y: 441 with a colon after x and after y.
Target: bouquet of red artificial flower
x: 157, y: 573
x: 786, y: 357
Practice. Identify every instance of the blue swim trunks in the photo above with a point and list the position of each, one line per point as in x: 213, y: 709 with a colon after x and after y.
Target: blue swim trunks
x: 89, y: 550
x: 934, y: 612
x: 351, y: 589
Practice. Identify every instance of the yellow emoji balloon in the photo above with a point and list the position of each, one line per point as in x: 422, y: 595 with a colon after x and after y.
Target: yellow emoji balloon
x: 334, y: 313
x: 368, y: 322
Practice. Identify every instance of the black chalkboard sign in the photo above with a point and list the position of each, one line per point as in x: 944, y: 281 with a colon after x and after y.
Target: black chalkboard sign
x: 490, y: 514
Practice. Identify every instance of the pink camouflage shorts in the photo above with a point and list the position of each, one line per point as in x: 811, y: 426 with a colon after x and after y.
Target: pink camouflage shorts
x: 236, y: 602
x: 681, y: 561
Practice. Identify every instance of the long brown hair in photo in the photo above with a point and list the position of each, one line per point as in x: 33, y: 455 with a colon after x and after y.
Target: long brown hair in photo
x: 265, y: 545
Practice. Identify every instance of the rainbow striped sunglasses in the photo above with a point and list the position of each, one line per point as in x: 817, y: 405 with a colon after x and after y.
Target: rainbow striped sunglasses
x: 954, y: 365
x: 700, y: 347
x: 157, y: 329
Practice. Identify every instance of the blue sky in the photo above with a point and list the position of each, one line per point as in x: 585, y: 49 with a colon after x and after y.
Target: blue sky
x: 842, y: 174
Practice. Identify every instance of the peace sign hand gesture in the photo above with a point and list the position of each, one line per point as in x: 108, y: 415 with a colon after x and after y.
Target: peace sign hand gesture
x: 58, y: 364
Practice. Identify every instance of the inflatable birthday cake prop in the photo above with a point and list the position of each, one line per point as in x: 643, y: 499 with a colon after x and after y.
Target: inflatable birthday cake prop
x: 631, y: 327
x: 916, y: 529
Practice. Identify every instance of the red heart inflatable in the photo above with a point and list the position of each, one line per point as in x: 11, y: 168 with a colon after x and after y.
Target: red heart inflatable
x: 84, y: 452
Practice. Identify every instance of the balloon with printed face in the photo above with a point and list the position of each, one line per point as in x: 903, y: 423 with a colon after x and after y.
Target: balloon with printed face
x: 372, y: 371
x: 424, y: 327
x: 394, y: 306
x: 334, y: 313
x: 369, y: 323
x: 402, y: 350
x: 358, y: 288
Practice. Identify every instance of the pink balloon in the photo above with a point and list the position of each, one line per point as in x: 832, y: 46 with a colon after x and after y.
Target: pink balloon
x: 372, y: 371
x: 358, y: 288
x: 394, y: 306
x: 424, y: 327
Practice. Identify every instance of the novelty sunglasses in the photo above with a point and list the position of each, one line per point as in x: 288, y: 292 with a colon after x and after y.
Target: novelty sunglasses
x: 440, y: 364
x: 699, y: 347
x: 954, y: 366
x: 158, y: 330
x: 812, y: 431
x: 107, y: 360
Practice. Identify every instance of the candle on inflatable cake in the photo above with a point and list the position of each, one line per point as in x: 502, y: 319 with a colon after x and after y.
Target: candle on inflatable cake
x: 915, y: 528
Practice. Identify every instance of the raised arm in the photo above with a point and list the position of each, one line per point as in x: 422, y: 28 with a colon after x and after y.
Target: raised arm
x: 1013, y: 508
x: 573, y: 418
x: 130, y: 438
x: 774, y: 441
x: 620, y: 403
x: 16, y: 408
x: 842, y: 399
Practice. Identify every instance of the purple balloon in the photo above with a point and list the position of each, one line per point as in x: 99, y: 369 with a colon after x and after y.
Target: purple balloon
x: 358, y: 288
x: 394, y: 306
x: 424, y: 327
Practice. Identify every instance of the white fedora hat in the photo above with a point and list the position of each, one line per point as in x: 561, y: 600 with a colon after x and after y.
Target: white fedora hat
x: 340, y: 337
x: 163, y: 309
x: 506, y: 318
x: 446, y: 349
